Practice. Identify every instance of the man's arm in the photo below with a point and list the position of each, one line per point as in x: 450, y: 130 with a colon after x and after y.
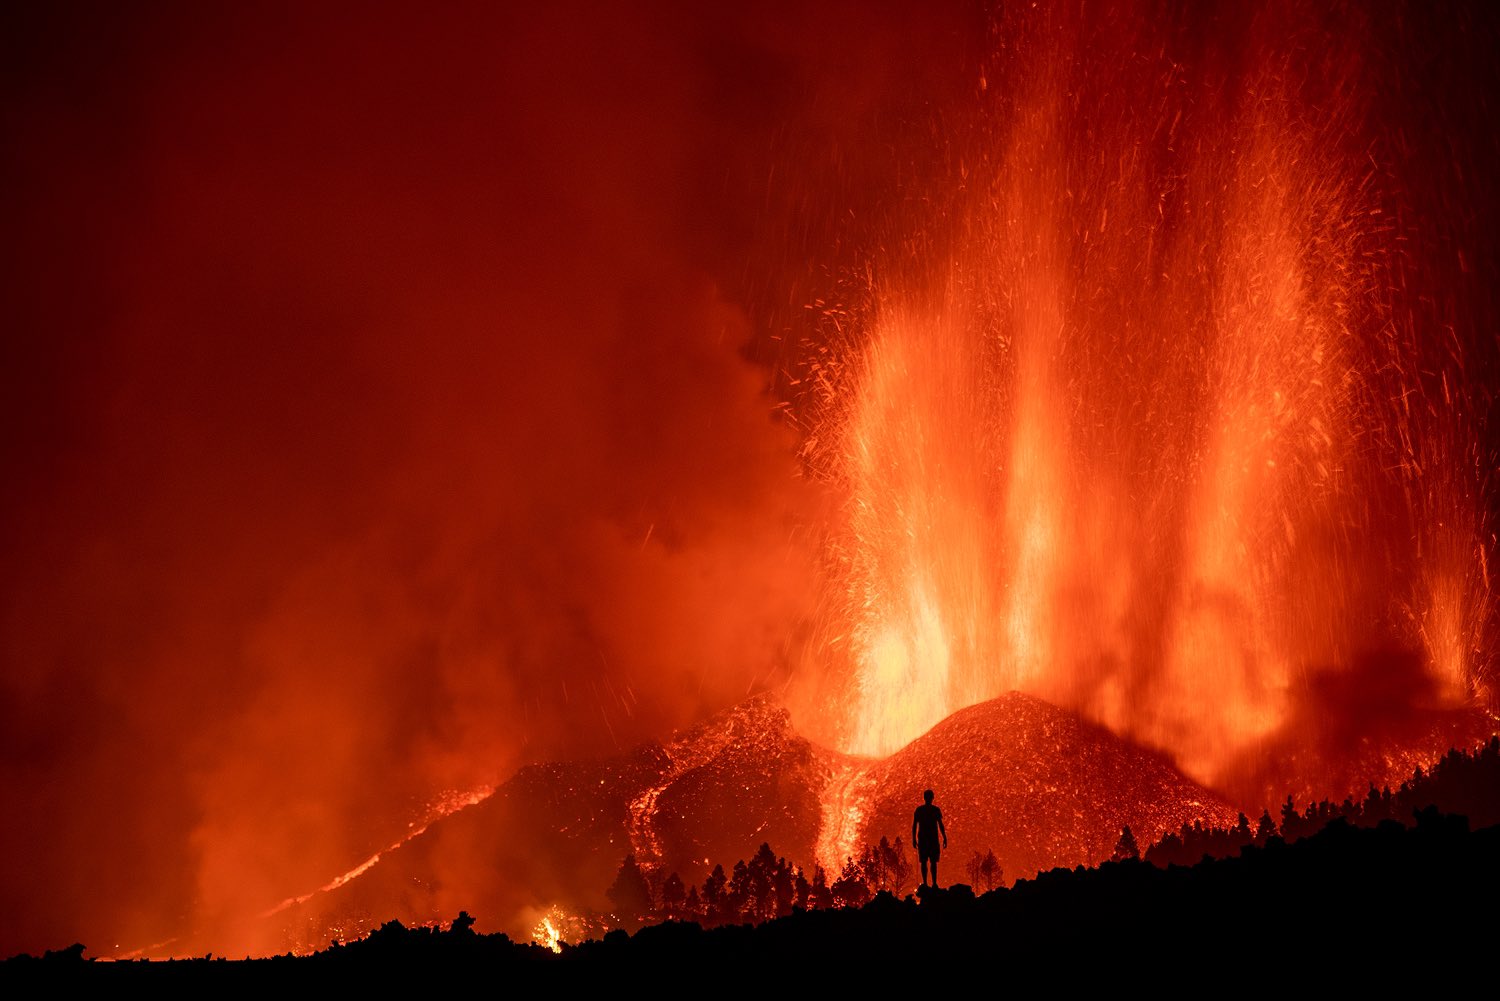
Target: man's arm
x: 913, y: 828
x: 942, y: 828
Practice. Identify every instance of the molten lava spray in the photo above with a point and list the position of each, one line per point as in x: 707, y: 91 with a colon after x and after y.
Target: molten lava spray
x: 1136, y: 408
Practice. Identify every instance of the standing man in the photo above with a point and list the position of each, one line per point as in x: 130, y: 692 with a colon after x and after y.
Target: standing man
x: 926, y: 825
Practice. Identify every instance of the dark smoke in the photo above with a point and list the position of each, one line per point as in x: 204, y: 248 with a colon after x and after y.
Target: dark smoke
x: 378, y: 416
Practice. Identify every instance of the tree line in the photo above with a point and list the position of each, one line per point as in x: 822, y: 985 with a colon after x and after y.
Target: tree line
x: 1462, y: 783
x: 767, y: 886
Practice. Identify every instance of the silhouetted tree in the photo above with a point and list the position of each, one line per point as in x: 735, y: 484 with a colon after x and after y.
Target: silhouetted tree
x: 897, y: 864
x: 784, y: 887
x: 973, y: 868
x: 850, y: 889
x: 738, y: 896
x: 1126, y: 849
x: 1291, y: 822
x: 673, y: 896
x: 692, y: 906
x: 822, y: 894
x: 1167, y: 851
x: 990, y: 871
x: 629, y: 892
x: 715, y: 892
x: 760, y: 884
x: 1372, y: 807
x: 801, y: 891
x: 1265, y: 828
x: 872, y: 867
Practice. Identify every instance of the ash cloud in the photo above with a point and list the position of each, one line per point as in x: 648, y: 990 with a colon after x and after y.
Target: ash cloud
x: 381, y: 417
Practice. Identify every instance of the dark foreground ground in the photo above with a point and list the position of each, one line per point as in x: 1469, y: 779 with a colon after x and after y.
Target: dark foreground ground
x: 1343, y: 906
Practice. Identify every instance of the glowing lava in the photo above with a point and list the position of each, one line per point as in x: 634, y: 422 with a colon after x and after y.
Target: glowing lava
x: 548, y: 931
x: 449, y: 802
x: 1147, y: 434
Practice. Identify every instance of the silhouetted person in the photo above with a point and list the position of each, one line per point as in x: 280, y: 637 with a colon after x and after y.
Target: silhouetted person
x: 926, y: 825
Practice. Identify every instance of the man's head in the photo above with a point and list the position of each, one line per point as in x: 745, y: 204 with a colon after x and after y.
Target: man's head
x: 927, y: 797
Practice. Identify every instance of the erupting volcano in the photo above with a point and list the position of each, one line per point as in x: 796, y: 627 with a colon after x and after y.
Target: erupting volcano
x: 1020, y: 777
x: 667, y: 431
x: 1135, y: 411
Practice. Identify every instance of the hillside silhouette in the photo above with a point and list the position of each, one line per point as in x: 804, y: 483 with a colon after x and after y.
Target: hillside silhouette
x: 1421, y: 893
x: 1036, y: 783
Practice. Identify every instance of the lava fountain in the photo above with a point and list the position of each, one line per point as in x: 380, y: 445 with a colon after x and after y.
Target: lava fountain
x: 1135, y: 410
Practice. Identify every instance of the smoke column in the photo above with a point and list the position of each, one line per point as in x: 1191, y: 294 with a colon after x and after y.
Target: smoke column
x: 378, y: 421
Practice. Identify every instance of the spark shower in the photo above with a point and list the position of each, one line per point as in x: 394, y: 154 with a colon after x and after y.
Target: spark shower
x: 1146, y: 404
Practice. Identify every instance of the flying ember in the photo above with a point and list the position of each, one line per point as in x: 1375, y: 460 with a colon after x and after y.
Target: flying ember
x: 1137, y: 406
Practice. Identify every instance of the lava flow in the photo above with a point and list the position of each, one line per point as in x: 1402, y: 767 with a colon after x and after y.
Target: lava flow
x: 1033, y: 782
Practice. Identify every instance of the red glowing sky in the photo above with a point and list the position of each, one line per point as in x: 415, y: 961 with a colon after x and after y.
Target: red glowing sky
x: 391, y: 398
x: 351, y: 363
